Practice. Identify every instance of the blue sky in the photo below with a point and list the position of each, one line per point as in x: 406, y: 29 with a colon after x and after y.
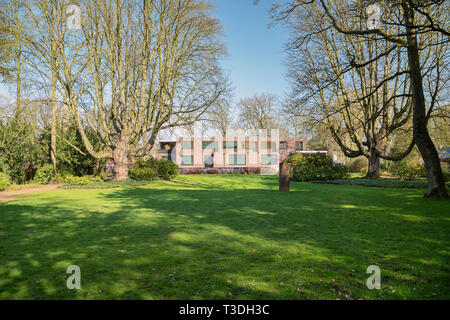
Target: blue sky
x: 255, y: 51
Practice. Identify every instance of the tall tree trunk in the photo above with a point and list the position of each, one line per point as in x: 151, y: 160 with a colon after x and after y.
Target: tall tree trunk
x: 18, y: 88
x: 374, y: 165
x: 436, y: 183
x: 120, y: 156
x: 54, y: 108
x: 18, y: 49
x: 53, y: 125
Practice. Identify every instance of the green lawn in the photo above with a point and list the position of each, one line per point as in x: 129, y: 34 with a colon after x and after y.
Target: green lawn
x: 225, y: 237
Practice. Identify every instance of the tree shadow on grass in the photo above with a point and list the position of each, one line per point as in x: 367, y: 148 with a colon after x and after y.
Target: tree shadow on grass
x: 214, y: 243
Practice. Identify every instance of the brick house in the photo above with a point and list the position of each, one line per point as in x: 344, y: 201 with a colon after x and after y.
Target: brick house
x: 229, y: 154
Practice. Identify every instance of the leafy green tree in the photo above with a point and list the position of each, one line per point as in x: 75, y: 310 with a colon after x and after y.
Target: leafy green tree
x: 20, y: 149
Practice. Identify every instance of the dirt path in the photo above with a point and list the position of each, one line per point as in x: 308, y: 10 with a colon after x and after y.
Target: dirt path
x: 5, y: 195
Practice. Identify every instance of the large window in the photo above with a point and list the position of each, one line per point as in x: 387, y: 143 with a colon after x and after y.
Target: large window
x: 186, y: 145
x: 210, y: 145
x: 269, y: 145
x: 269, y: 159
x: 230, y: 145
x: 187, y: 160
x: 236, y: 159
x: 249, y: 145
x: 299, y: 145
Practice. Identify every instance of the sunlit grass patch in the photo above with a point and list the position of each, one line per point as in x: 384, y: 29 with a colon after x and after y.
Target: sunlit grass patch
x: 225, y: 237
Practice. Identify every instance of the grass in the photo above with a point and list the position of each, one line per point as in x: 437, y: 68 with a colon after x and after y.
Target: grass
x: 379, y: 183
x: 225, y: 237
x: 390, y: 182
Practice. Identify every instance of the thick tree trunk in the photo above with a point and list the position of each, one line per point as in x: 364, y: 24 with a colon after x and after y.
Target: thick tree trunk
x: 436, y: 183
x: 120, y: 156
x: 374, y: 165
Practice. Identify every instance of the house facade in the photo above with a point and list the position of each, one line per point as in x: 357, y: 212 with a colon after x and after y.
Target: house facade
x: 229, y: 154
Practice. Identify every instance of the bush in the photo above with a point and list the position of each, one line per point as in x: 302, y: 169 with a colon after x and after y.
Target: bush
x: 153, y: 168
x: 294, y: 158
x: 167, y: 169
x: 142, y: 174
x: 80, y: 181
x: 317, y: 167
x: 5, y: 181
x: 409, y: 171
x: 44, y: 174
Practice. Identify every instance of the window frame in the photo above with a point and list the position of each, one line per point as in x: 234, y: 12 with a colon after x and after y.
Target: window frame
x: 235, y: 156
x: 184, y: 142
x: 185, y: 156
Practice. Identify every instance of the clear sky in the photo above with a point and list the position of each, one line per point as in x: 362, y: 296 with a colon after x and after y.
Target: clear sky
x: 255, y: 51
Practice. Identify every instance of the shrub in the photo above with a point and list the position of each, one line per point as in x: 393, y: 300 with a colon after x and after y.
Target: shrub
x: 5, y: 181
x: 409, y: 171
x: 144, y: 170
x: 317, y: 167
x: 141, y: 173
x: 152, y: 168
x: 339, y: 172
x: 294, y: 158
x: 167, y: 169
x: 71, y: 179
x: 44, y: 174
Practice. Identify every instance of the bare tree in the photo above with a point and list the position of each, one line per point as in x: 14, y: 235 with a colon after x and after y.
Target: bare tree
x: 429, y: 19
x: 220, y: 115
x: 363, y: 107
x: 259, y: 112
x: 134, y: 68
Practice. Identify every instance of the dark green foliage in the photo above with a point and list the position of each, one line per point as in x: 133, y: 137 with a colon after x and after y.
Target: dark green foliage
x: 167, y: 169
x: 317, y: 167
x: 68, y: 159
x: 44, y: 174
x: 152, y: 168
x: 142, y: 173
x: 20, y: 149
